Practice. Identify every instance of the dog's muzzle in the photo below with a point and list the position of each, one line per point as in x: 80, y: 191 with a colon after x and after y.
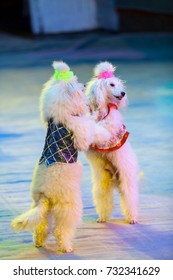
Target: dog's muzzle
x: 119, y: 97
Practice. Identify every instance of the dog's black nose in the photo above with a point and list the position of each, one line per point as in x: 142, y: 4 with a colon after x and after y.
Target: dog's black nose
x: 123, y: 93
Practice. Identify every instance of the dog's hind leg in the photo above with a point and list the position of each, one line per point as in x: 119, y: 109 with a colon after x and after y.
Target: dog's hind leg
x: 67, y: 217
x: 66, y: 203
x: 41, y: 232
x: 128, y: 203
x: 41, y: 229
x: 128, y: 183
x: 103, y: 192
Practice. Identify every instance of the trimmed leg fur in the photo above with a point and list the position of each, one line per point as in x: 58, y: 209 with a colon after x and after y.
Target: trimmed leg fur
x: 67, y: 217
x: 41, y: 232
x: 103, y: 194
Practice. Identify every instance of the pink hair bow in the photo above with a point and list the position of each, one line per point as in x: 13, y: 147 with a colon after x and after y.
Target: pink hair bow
x: 105, y: 75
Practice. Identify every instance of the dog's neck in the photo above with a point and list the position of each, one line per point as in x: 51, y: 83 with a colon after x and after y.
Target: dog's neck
x: 110, y: 106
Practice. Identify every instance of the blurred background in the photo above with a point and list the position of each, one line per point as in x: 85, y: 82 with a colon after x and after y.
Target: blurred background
x: 56, y: 16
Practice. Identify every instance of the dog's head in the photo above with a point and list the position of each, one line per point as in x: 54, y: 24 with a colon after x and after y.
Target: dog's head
x: 62, y: 95
x: 105, y: 88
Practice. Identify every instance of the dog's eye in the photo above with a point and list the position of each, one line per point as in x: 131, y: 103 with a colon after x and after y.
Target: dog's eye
x: 112, y: 85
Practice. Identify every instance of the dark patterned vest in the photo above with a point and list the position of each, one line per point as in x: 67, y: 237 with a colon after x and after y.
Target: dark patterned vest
x: 59, y: 145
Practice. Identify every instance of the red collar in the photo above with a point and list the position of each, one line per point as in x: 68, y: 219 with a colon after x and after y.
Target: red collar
x: 110, y: 106
x: 116, y: 147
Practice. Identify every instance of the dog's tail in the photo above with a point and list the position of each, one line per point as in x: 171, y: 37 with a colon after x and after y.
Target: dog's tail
x: 32, y: 217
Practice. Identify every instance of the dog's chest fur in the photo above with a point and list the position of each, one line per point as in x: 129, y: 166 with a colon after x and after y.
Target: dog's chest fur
x: 113, y: 121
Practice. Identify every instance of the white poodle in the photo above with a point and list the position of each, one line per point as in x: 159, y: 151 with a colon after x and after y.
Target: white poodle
x: 116, y: 165
x: 56, y: 181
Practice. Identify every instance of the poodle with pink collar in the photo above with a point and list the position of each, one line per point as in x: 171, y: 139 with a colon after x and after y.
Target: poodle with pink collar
x: 113, y: 166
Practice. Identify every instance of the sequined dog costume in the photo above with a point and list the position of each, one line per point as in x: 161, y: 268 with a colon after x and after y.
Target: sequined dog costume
x: 59, y: 145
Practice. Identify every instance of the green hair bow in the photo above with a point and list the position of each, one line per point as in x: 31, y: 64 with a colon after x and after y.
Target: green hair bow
x: 64, y: 75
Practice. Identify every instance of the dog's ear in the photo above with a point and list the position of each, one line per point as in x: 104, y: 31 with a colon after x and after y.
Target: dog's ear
x: 97, y: 95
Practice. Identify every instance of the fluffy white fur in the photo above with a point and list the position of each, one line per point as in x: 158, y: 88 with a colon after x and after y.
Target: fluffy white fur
x: 116, y: 168
x: 56, y: 190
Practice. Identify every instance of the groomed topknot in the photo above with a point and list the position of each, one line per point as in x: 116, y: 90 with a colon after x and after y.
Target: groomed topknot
x: 103, y: 67
x: 60, y: 66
